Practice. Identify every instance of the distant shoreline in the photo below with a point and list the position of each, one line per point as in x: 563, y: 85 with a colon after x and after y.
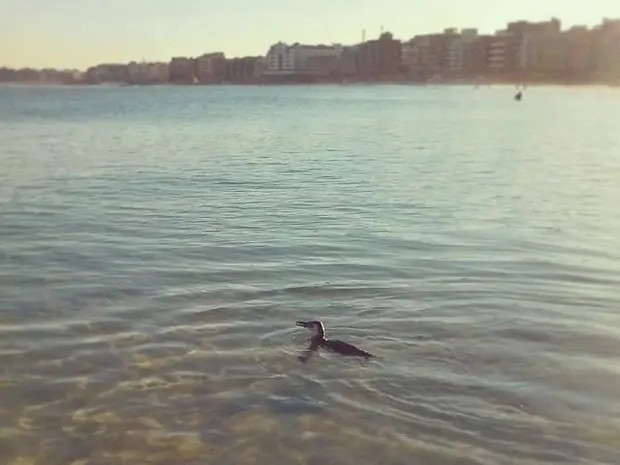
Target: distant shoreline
x: 442, y: 83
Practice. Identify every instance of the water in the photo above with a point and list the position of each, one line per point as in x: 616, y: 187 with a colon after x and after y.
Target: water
x: 158, y: 244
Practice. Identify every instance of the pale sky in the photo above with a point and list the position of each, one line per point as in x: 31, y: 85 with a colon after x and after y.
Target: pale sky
x: 80, y: 33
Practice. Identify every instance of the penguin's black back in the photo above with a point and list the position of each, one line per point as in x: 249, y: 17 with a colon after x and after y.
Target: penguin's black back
x: 344, y: 348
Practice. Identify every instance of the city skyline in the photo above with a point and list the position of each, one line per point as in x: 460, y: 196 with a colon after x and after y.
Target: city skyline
x: 85, y: 32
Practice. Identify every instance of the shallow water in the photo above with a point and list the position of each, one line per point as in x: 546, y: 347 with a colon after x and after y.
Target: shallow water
x: 158, y: 244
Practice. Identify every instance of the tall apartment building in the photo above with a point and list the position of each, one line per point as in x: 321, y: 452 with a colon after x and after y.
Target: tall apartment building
x: 477, y: 57
x: 280, y: 60
x: 607, y: 49
x: 508, y: 53
x: 318, y: 60
x: 579, y: 53
x: 420, y: 57
x: 182, y: 70
x: 499, y: 46
x: 347, y: 64
x: 545, y: 55
x: 242, y: 69
x: 303, y: 60
x: 458, y: 51
x: 147, y: 73
x: 430, y: 55
x: 380, y: 57
x: 211, y: 68
x: 117, y: 73
x: 158, y: 73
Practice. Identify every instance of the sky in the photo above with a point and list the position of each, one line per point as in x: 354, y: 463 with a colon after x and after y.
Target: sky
x: 81, y: 33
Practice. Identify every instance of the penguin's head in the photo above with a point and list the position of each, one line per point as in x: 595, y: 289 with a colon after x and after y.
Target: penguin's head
x: 314, y: 326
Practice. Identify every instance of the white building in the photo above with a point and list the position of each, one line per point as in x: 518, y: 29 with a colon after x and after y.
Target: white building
x: 283, y: 59
x: 280, y: 60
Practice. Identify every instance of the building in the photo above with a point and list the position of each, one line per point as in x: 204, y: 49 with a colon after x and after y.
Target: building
x: 259, y: 67
x: 116, y: 73
x: 419, y: 58
x: 303, y: 60
x: 543, y: 49
x: 280, y: 60
x: 243, y: 69
x: 545, y: 55
x: 579, y: 53
x: 520, y: 28
x: 108, y: 73
x: 211, y: 68
x: 457, y: 51
x: 506, y: 54
x: 498, y: 47
x: 158, y: 73
x: 138, y: 73
x: 508, y: 48
x: 606, y: 50
x: 379, y: 58
x: 477, y: 57
x: 182, y: 70
x: 322, y: 66
x: 347, y: 63
x: 426, y: 56
x: 317, y: 60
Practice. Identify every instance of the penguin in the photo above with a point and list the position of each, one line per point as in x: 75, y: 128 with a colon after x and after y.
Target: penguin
x: 318, y: 340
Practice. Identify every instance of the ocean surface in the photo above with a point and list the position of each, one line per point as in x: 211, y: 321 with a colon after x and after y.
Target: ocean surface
x: 158, y: 244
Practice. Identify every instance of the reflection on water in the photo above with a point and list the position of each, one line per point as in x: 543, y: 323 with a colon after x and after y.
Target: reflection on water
x: 154, y: 257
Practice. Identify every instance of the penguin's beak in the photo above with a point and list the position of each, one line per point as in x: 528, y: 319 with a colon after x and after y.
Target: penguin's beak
x: 303, y: 324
